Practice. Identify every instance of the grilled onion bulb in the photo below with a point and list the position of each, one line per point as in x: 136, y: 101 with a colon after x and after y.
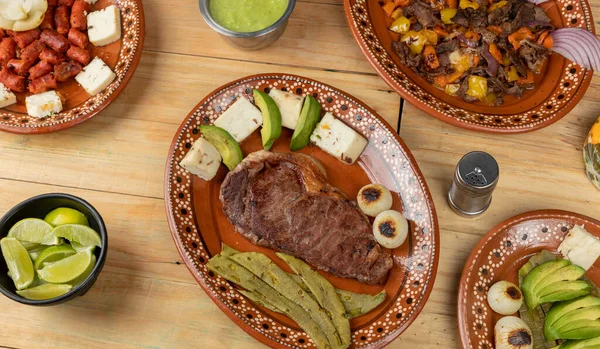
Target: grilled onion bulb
x: 511, y: 332
x: 390, y: 229
x: 373, y: 199
x: 505, y: 298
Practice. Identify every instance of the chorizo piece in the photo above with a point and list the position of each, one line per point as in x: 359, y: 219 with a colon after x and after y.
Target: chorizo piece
x: 79, y: 15
x: 23, y: 39
x: 32, y: 52
x: 68, y: 3
x: 78, y: 38
x: 48, y: 22
x: 79, y: 55
x: 52, y: 2
x: 19, y: 66
x: 61, y: 19
x: 52, y: 56
x: 8, y: 49
x: 55, y: 41
x: 40, y: 69
x: 12, y: 81
x: 66, y: 70
x: 43, y: 84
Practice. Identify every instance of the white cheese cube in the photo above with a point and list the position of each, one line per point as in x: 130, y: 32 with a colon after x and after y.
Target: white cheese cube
x: 43, y: 104
x: 95, y: 76
x: 240, y: 119
x: 91, y: 2
x: 337, y: 139
x: 104, y: 26
x: 203, y: 159
x: 290, y: 106
x: 6, y: 97
x: 580, y: 247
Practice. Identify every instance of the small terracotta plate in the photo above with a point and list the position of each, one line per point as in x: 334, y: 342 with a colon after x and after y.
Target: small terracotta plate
x: 121, y: 56
x: 199, y: 226
x: 499, y: 256
x: 559, y: 87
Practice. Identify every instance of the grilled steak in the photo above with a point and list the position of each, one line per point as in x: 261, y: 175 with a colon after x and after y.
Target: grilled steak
x: 283, y: 201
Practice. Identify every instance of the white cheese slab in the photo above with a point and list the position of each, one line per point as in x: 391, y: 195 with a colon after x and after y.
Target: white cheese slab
x: 43, y: 104
x: 104, y: 26
x: 580, y: 247
x: 290, y: 106
x: 95, y: 76
x: 6, y: 97
x: 203, y: 159
x: 337, y: 139
x: 240, y: 119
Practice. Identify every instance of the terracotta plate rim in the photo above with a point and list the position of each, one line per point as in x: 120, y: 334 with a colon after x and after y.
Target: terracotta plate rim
x: 247, y: 328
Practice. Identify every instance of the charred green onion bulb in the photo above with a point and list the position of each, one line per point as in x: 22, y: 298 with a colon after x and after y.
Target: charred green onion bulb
x: 374, y: 199
x: 505, y: 298
x: 390, y: 229
x: 512, y: 333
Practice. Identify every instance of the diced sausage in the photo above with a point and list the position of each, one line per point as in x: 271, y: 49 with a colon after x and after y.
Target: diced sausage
x: 78, y: 38
x: 12, y: 81
x: 55, y: 41
x: 79, y: 15
x: 52, y: 56
x: 2, y: 33
x: 32, y: 52
x: 61, y: 19
x: 43, y: 84
x: 8, y: 49
x: 66, y: 2
x: 23, y: 39
x: 52, y: 2
x: 79, y: 55
x: 40, y: 69
x: 48, y: 22
x: 66, y: 70
x: 19, y: 66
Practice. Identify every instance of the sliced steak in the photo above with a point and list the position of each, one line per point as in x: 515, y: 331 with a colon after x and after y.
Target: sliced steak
x: 423, y: 12
x: 283, y: 201
x: 534, y: 55
x: 407, y: 58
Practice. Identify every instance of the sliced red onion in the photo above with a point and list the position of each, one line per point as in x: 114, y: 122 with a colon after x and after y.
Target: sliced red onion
x: 492, y: 67
x: 470, y: 43
x: 578, y: 45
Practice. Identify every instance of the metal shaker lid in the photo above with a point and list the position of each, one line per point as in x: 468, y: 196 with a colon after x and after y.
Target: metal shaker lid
x: 479, y: 171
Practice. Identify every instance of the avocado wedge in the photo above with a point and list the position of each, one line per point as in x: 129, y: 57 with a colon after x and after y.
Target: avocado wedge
x: 226, y: 145
x: 559, y: 310
x: 309, y: 118
x: 569, y: 273
x: 271, y: 128
x: 593, y: 343
x: 563, y: 291
x: 536, y: 277
x: 556, y: 330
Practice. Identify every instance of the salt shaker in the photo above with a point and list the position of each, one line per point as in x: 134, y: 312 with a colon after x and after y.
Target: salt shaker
x: 475, y: 179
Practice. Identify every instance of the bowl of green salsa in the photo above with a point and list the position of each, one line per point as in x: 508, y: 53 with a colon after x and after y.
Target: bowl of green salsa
x: 248, y: 24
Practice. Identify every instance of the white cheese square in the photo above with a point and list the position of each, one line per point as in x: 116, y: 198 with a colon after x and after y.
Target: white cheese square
x: 580, y: 247
x: 6, y: 97
x: 104, y: 26
x: 91, y: 2
x: 240, y: 119
x: 43, y: 104
x: 203, y: 159
x: 95, y: 76
x: 337, y: 139
x: 290, y: 106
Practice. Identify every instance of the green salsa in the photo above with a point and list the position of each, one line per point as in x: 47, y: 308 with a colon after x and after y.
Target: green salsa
x: 247, y: 15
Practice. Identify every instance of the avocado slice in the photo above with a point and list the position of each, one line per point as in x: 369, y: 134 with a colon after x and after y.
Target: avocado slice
x: 563, y: 291
x: 537, y: 276
x: 589, y: 313
x: 271, y: 128
x: 227, y: 146
x: 309, y: 118
x: 580, y: 329
x: 559, y: 310
x: 569, y: 273
x: 593, y: 343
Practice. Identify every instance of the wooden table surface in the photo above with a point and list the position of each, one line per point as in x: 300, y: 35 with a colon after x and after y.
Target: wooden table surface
x: 145, y: 297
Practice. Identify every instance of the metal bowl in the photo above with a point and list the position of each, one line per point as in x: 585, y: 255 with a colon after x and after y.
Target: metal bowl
x: 250, y: 40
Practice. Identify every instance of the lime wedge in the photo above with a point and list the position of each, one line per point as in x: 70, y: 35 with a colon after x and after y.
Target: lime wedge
x: 65, y: 215
x: 32, y: 245
x: 35, y: 252
x: 81, y: 278
x: 45, y: 291
x: 19, y: 264
x: 79, y: 248
x: 66, y: 269
x: 80, y: 234
x: 53, y: 254
x: 34, y: 230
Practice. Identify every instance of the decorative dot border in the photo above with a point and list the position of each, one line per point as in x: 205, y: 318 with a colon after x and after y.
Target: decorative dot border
x: 410, y: 185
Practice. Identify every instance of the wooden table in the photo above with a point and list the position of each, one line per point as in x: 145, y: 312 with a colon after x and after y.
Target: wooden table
x: 145, y: 297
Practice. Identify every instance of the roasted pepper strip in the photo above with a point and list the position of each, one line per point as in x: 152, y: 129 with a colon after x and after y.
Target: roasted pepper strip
x: 495, y: 52
x: 520, y: 35
x: 452, y: 3
x: 526, y: 80
x: 430, y: 57
x: 545, y: 40
x: 389, y: 7
x: 477, y: 87
x: 496, y: 29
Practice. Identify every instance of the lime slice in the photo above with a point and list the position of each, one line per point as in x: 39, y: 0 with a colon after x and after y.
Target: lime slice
x: 32, y: 245
x: 53, y: 254
x: 79, y: 248
x: 81, y: 278
x: 35, y: 252
x: 45, y: 291
x: 77, y: 233
x: 65, y: 215
x: 34, y: 230
x: 19, y: 264
x: 66, y: 269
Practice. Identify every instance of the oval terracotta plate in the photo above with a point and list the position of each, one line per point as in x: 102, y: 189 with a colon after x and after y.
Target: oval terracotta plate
x: 559, y: 87
x: 499, y: 256
x: 199, y: 225
x: 121, y: 56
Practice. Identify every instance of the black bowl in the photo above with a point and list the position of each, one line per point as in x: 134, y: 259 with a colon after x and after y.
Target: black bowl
x: 38, y: 207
